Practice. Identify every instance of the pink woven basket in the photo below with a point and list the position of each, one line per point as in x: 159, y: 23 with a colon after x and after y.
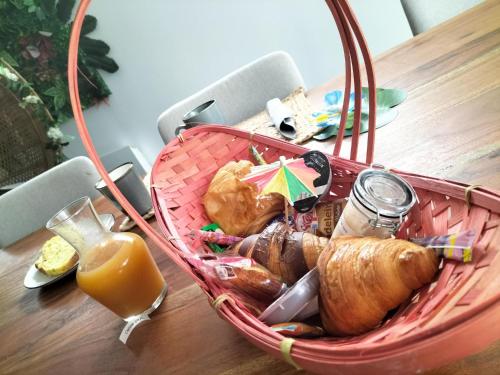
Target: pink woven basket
x: 442, y: 322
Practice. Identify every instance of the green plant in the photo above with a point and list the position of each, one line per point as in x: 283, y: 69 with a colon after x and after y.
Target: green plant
x: 34, y: 38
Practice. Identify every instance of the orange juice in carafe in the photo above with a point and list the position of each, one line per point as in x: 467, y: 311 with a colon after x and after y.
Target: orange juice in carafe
x: 120, y: 273
x: 116, y: 269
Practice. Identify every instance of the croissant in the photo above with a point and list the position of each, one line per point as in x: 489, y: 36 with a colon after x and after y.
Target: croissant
x: 287, y: 254
x: 236, y: 205
x: 361, y: 279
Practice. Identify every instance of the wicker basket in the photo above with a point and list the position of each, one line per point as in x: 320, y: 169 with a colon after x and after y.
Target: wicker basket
x: 441, y: 322
x: 23, y: 154
x: 449, y: 319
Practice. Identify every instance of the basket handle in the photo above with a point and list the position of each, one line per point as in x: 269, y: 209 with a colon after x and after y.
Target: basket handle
x: 161, y: 241
x: 348, y: 25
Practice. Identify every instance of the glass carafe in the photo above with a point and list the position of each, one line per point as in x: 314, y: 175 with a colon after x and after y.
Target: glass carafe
x: 116, y: 269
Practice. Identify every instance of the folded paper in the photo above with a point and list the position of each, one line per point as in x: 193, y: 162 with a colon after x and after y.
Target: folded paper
x: 282, y: 117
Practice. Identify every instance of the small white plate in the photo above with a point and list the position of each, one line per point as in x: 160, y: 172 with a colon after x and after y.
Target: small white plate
x: 36, y: 279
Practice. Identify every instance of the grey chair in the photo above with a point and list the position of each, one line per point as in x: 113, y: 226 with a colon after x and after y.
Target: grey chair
x: 424, y: 14
x: 27, y: 208
x: 240, y: 94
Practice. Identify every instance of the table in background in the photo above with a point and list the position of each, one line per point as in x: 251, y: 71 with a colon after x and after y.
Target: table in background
x: 448, y: 127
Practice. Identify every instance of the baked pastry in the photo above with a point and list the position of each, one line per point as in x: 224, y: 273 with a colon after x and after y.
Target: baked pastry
x: 236, y: 205
x: 287, y: 254
x: 254, y: 280
x: 362, y: 278
x: 56, y: 257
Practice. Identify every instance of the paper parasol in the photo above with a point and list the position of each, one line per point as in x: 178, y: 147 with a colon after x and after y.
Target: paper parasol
x: 291, y: 178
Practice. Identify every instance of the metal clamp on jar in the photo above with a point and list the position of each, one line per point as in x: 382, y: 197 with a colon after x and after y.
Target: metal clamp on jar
x: 378, y: 203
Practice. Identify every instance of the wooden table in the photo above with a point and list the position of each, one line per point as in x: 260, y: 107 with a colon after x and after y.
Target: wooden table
x: 449, y: 127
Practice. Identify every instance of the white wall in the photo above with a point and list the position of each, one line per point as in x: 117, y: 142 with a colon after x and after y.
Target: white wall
x: 169, y: 49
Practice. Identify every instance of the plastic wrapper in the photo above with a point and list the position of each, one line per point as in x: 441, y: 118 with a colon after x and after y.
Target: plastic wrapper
x: 321, y: 220
x: 243, y: 275
x: 215, y: 237
x: 457, y: 246
x: 287, y: 254
x: 236, y: 205
x: 297, y: 329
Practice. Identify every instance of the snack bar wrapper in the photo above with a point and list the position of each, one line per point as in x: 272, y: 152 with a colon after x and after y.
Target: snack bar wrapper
x: 215, y: 237
x: 243, y: 275
x: 457, y: 246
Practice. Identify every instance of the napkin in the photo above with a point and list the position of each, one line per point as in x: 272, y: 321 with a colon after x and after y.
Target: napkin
x: 282, y: 117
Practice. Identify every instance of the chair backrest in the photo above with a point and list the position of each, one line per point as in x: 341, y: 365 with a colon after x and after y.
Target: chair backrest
x: 240, y: 94
x: 27, y: 208
x: 424, y: 14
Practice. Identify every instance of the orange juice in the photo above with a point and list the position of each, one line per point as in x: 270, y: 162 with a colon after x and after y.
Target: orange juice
x: 121, y: 274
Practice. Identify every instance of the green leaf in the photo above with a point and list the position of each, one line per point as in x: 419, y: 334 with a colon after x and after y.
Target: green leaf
x: 102, y: 62
x: 64, y: 9
x: 40, y: 14
x: 53, y: 91
x: 386, y: 98
x: 89, y: 24
x: 8, y: 59
x: 17, y: 3
x: 48, y: 6
x: 59, y: 101
x: 94, y: 47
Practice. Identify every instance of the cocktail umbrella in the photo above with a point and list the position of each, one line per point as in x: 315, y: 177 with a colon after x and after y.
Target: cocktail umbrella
x: 291, y: 178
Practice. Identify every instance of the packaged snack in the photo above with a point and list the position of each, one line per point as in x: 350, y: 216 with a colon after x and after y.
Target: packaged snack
x: 213, y: 228
x: 457, y: 246
x: 287, y: 254
x: 297, y: 329
x: 321, y: 220
x: 243, y: 275
x: 215, y: 237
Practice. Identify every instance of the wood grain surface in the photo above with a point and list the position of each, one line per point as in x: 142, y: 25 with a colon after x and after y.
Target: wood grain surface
x: 448, y: 127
